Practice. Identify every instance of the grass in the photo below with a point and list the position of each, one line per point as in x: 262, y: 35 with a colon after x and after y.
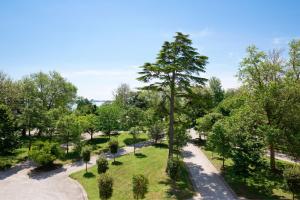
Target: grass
x: 150, y: 161
x: 15, y: 157
x: 100, y: 143
x: 260, y: 185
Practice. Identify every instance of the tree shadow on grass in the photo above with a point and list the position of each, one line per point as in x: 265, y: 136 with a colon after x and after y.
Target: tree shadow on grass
x: 98, y: 140
x: 179, y: 189
x: 161, y: 145
x: 140, y: 155
x: 88, y: 175
x: 117, y: 163
x: 130, y: 141
x: 259, y: 185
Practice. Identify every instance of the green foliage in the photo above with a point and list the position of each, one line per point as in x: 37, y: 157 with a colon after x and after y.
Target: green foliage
x: 44, y: 153
x: 132, y: 117
x: 246, y: 140
x: 105, y: 185
x: 8, y: 137
x: 139, y: 186
x: 176, y: 69
x: 108, y: 117
x: 85, y: 106
x: 86, y: 154
x: 156, y: 131
x: 216, y: 89
x: 292, y: 178
x: 69, y: 130
x: 205, y: 123
x: 89, y: 123
x: 102, y: 164
x: 113, y: 146
x: 5, y: 164
x: 220, y: 140
x: 173, y: 167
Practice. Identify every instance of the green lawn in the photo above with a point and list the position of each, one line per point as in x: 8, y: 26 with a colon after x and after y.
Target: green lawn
x: 17, y: 156
x: 261, y: 185
x: 150, y: 161
x: 100, y: 143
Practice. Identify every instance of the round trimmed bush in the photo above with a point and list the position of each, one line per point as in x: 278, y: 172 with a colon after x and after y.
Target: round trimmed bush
x: 139, y: 186
x: 105, y: 185
x: 102, y: 164
x: 173, y: 168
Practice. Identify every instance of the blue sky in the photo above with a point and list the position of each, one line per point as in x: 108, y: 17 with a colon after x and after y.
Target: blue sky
x: 99, y: 44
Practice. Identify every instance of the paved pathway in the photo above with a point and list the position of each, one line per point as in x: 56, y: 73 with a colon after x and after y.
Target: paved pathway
x: 17, y: 183
x: 207, y: 181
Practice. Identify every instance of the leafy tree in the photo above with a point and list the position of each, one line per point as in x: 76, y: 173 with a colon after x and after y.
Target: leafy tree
x: 8, y: 137
x: 85, y: 106
x: 292, y: 178
x: 89, y: 124
x: 69, y: 130
x: 44, y: 153
x: 123, y: 95
x: 261, y: 74
x: 105, y: 185
x: 86, y: 155
x: 132, y: 117
x: 294, y: 59
x: 156, y: 131
x: 215, y: 87
x: 139, y: 186
x: 102, y: 164
x: 109, y: 116
x: 10, y: 94
x: 246, y: 139
x: 134, y: 131
x: 177, y: 68
x: 220, y: 140
x: 113, y: 147
x: 204, y: 124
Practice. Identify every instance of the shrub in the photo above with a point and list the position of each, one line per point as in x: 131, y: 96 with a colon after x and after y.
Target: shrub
x: 105, y: 185
x: 173, y: 168
x: 156, y: 132
x: 86, y: 155
x: 292, y: 178
x: 113, y: 147
x: 139, y: 186
x: 8, y: 135
x: 5, y: 164
x: 102, y: 164
x: 44, y: 153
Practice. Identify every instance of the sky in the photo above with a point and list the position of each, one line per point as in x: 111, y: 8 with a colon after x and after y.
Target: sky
x: 97, y: 45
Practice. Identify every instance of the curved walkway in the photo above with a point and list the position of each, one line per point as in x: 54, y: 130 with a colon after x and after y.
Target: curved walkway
x: 206, y: 179
x: 17, y: 183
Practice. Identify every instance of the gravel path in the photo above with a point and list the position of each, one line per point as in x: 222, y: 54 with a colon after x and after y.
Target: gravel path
x: 17, y: 183
x: 206, y: 178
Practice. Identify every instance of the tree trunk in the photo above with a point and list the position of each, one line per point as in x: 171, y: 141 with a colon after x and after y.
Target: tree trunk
x: 223, y: 162
x: 68, y: 143
x: 29, y: 134
x: 23, y: 132
x: 272, y: 157
x: 171, y: 123
x: 86, y: 167
x: 91, y: 136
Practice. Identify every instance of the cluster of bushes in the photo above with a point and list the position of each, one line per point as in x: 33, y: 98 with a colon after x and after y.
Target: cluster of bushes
x: 45, y: 153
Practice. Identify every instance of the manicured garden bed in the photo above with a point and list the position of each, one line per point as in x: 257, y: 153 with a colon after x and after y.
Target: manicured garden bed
x: 150, y: 161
